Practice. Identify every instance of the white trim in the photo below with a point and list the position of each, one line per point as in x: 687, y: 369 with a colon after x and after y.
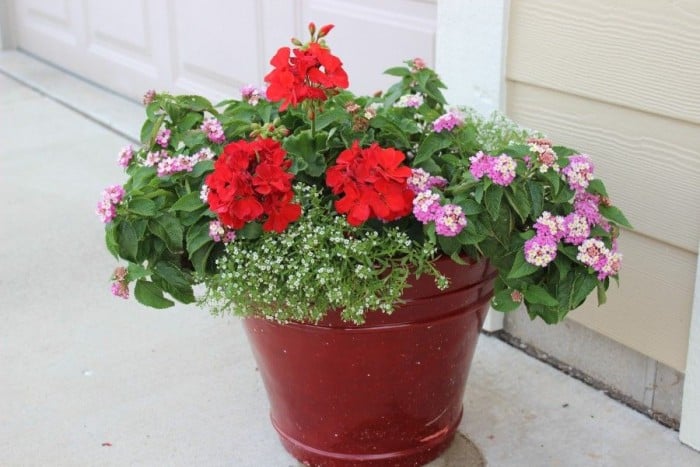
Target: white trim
x: 690, y: 412
x: 470, y: 53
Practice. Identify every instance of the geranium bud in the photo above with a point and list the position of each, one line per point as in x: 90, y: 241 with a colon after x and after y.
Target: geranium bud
x: 311, y: 114
x: 312, y: 28
x: 325, y: 30
x: 296, y: 42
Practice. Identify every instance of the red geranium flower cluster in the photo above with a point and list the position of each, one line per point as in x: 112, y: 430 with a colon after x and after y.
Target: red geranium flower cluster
x: 250, y: 182
x: 304, y: 73
x: 373, y: 182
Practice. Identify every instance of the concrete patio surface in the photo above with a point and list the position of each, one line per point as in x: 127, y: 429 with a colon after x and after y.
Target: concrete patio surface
x: 87, y: 379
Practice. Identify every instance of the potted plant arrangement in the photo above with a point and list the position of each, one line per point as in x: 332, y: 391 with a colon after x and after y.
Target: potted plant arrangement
x: 362, y: 239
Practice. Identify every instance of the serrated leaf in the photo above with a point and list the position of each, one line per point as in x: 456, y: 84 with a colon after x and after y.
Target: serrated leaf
x: 502, y: 301
x: 537, y: 198
x: 471, y: 207
x: 128, y: 241
x: 190, y: 202
x: 168, y: 229
x: 196, y: 103
x: 614, y: 214
x: 398, y: 71
x: 142, y: 206
x: 200, y: 258
x: 332, y: 116
x: 521, y: 268
x: 449, y: 245
x: 111, y: 239
x: 149, y: 294
x: 582, y: 288
x: 492, y: 200
x: 536, y: 294
x: 598, y: 187
x: 191, y: 119
x: 430, y: 145
x: 197, y: 237
x: 136, y: 272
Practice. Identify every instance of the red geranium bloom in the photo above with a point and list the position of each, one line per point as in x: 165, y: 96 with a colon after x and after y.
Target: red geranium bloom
x: 250, y: 183
x: 372, y: 182
x: 304, y: 74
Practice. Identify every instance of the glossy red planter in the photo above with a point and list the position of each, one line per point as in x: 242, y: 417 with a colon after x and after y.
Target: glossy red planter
x: 386, y: 393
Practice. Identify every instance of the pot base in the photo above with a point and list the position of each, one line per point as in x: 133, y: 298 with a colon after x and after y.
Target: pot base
x: 431, y: 448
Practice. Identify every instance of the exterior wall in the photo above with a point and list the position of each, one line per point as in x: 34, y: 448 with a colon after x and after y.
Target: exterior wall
x: 618, y: 80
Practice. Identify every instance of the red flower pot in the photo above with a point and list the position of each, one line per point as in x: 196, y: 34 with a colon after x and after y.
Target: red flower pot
x: 386, y: 393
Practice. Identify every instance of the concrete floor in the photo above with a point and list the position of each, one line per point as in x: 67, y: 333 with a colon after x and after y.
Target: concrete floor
x: 88, y: 379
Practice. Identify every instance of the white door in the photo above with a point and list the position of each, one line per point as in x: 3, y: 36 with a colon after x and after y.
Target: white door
x: 214, y: 47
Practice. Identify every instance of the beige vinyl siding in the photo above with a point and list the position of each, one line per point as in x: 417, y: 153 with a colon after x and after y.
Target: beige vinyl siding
x: 621, y: 81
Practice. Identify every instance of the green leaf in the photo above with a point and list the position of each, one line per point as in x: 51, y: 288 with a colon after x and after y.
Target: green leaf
x: 537, y: 197
x: 596, y: 186
x: 200, y: 168
x: 308, y: 151
x: 332, y: 116
x: 141, y: 177
x: 471, y: 207
x: 251, y: 231
x: 602, y: 296
x: 143, y: 207
x: 190, y: 120
x: 128, y: 241
x: 449, y: 245
x: 200, y: 258
x: 111, y: 239
x: 502, y: 301
x: 136, y: 272
x: 193, y: 138
x: 479, y: 193
x: 430, y: 145
x: 146, y: 131
x: 519, y: 201
x: 492, y: 199
x: 582, y: 288
x: 168, y: 229
x: 197, y: 237
x: 398, y: 71
x: 190, y: 202
x: 521, y: 268
x: 554, y: 180
x: 615, y: 215
x: 536, y: 294
x: 149, y: 294
x: 196, y: 103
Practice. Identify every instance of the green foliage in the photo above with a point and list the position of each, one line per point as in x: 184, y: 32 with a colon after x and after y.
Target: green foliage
x: 320, y: 262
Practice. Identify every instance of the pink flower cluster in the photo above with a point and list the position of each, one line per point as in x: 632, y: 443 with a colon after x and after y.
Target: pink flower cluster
x: 410, y: 100
x: 579, y: 172
x: 417, y: 64
x: 500, y: 169
x: 125, y: 156
x: 606, y: 262
x: 221, y: 233
x: 252, y: 94
x: 120, y: 286
x: 449, y: 219
x: 163, y: 137
x: 546, y: 157
x: 448, y: 121
x: 574, y: 229
x: 214, y: 131
x: 169, y: 165
x: 107, y: 206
